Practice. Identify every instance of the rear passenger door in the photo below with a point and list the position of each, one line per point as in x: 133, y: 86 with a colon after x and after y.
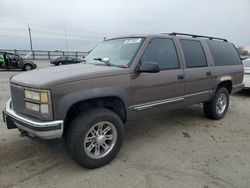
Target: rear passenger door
x: 198, y: 75
x: 165, y: 89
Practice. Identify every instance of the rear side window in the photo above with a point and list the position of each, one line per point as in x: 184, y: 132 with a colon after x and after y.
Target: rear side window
x: 224, y: 53
x: 194, y: 53
x: 163, y: 52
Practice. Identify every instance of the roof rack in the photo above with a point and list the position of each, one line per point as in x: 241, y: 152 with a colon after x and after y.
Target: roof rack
x: 197, y: 36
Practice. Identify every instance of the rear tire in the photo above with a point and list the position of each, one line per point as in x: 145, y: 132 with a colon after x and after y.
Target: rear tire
x: 86, y: 140
x: 217, y: 108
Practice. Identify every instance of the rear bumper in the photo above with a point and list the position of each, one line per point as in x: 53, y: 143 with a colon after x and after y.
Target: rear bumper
x: 246, y: 83
x: 42, y: 129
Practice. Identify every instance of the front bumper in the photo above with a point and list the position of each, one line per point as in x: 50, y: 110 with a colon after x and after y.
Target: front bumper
x: 42, y: 129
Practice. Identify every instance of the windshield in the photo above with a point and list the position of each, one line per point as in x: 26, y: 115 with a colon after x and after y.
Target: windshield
x: 118, y: 52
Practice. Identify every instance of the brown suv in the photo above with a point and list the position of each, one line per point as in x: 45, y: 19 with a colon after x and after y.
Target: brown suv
x: 122, y: 79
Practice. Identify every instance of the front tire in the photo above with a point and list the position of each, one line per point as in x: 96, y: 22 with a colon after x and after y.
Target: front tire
x: 217, y: 108
x: 94, y: 137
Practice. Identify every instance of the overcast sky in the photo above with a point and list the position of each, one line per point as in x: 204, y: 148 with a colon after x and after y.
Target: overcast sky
x: 80, y: 25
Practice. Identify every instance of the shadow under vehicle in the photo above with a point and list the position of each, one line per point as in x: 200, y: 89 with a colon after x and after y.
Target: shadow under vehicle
x: 15, y: 61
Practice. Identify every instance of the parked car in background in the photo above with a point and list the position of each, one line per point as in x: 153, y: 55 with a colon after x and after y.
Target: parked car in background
x: 88, y: 104
x: 64, y: 60
x: 246, y: 80
x: 14, y: 61
x: 244, y: 57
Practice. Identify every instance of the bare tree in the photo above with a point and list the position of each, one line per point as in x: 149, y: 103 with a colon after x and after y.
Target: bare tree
x: 243, y: 51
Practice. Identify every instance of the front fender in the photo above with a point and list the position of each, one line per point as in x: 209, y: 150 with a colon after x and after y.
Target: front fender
x: 67, y: 101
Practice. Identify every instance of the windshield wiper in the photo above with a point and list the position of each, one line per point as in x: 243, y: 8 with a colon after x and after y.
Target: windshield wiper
x: 104, y: 60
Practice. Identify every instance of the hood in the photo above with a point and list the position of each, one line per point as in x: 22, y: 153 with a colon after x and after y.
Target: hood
x: 46, y: 77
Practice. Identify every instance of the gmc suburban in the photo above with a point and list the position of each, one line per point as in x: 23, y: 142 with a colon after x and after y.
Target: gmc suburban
x: 88, y: 104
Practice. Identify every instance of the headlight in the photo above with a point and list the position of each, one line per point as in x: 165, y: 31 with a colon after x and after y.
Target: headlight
x: 44, y: 97
x: 44, y: 108
x: 36, y: 96
x: 33, y: 95
x: 37, y: 101
x: 32, y: 106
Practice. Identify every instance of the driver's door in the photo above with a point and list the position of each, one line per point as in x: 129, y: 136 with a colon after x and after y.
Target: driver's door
x: 66, y: 60
x: 163, y: 90
x: 14, y: 60
x: 70, y: 60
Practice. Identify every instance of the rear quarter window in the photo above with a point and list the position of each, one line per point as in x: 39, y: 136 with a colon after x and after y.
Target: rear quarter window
x: 224, y: 53
x: 194, y: 53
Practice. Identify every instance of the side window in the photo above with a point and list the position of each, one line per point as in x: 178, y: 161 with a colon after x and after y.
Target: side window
x: 194, y: 53
x: 224, y: 53
x: 163, y: 52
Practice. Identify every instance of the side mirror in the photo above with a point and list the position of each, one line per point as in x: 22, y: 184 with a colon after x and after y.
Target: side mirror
x: 149, y: 67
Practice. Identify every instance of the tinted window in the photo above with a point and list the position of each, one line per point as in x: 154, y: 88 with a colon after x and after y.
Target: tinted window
x: 163, y: 52
x: 223, y: 53
x: 194, y: 53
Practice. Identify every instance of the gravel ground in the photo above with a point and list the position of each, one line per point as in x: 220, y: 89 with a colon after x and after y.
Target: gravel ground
x: 175, y: 149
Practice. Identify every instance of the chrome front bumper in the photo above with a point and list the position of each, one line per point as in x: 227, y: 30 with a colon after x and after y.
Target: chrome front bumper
x: 43, y: 129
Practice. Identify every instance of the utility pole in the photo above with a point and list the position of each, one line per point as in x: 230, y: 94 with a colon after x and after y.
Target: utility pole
x: 66, y: 39
x: 31, y: 47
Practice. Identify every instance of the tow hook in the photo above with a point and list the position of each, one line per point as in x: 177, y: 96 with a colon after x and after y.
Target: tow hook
x: 23, y: 133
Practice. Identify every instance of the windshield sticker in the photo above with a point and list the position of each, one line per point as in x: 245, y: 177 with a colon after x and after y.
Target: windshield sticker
x: 132, y: 41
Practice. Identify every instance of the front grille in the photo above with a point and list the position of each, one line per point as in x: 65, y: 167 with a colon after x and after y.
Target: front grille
x: 17, y: 95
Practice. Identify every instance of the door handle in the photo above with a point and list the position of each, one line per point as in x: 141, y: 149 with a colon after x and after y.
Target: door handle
x: 180, y: 77
x: 209, y: 73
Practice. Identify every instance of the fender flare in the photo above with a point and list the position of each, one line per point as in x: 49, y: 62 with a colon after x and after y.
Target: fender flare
x: 67, y: 101
x: 219, y: 80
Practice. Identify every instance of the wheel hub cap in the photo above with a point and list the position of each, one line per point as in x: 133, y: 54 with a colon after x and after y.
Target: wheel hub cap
x: 100, y: 140
x: 221, y: 104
